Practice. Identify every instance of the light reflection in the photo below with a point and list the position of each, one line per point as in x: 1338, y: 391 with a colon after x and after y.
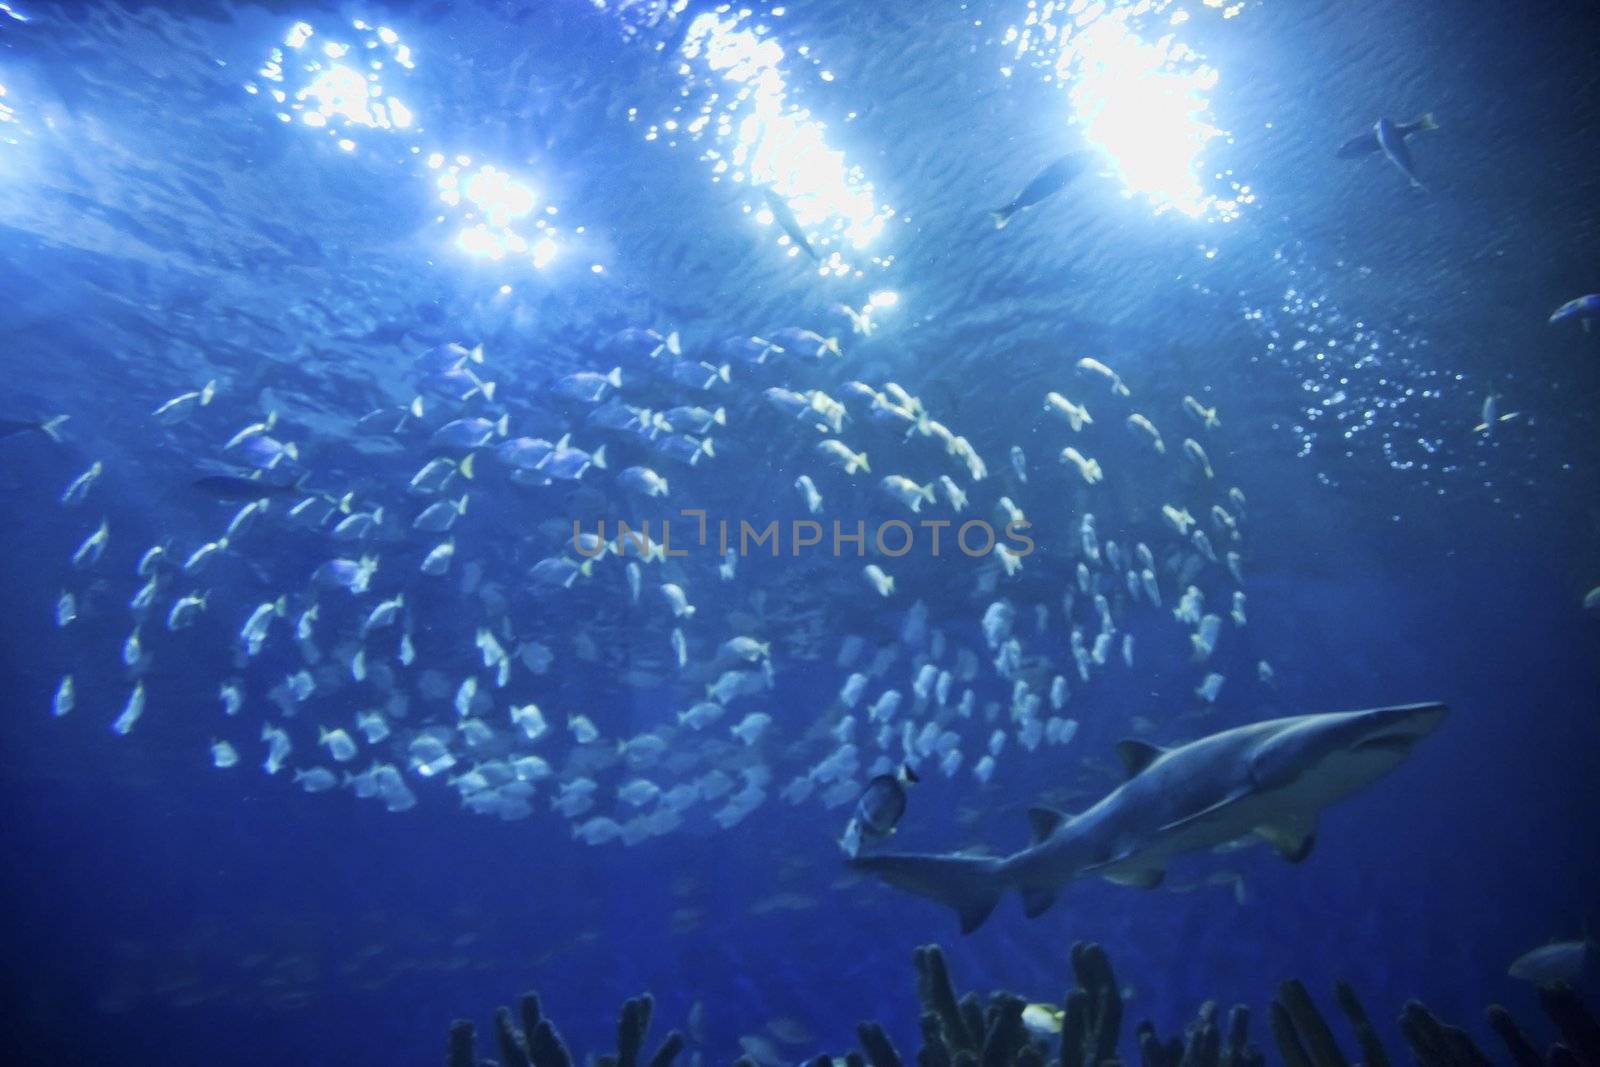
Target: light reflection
x: 1142, y: 102
x: 337, y: 86
x: 12, y: 128
x: 755, y: 135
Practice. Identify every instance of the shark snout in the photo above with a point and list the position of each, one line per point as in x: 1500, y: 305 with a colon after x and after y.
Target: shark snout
x: 1399, y: 727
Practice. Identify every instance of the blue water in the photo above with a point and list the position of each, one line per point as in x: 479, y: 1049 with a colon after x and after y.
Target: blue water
x: 161, y: 226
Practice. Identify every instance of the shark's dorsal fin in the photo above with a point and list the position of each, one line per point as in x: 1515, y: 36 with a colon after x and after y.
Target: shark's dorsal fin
x: 1137, y: 755
x: 1035, y: 902
x: 1292, y: 836
x: 1044, y: 821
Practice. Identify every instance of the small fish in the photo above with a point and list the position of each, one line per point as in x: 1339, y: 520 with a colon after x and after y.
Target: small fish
x: 201, y: 557
x: 1192, y: 449
x: 66, y: 609
x: 636, y: 344
x: 152, y: 559
x: 186, y: 610
x: 353, y: 575
x: 881, y: 582
x: 93, y: 547
x: 530, y: 721
x: 643, y: 480
x: 78, y: 489
x: 66, y: 697
x: 384, y: 614
x: 1088, y: 469
x: 131, y: 711
x: 908, y: 492
x: 464, y: 434
x: 255, y: 429
x: 245, y: 517
x: 677, y: 600
x: 1019, y: 464
x: 807, y: 344
x: 1206, y: 416
x: 699, y: 375
x: 1491, y: 416
x: 440, y: 515
x: 266, y: 453
x: 569, y: 464
x: 316, y: 780
x: 340, y: 745
x: 953, y: 493
x: 750, y: 728
x: 448, y: 357
x: 686, y: 449
x: 437, y: 562
x: 1077, y: 415
x: 358, y: 526
x: 223, y: 755
x: 588, y: 386
x: 808, y: 492
x: 255, y: 627
x: 183, y: 405
x: 841, y: 456
x: 1094, y: 366
x: 437, y: 474
x: 1047, y: 183
x: 883, y: 802
x: 1142, y: 425
x: 1042, y: 1020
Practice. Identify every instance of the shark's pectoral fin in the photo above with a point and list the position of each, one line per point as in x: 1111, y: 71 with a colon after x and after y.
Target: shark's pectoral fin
x: 1148, y: 878
x: 1044, y: 821
x: 1292, y: 836
x: 1035, y: 902
x: 1137, y: 755
x: 975, y: 914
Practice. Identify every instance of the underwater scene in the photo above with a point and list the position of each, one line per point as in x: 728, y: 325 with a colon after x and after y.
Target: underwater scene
x: 966, y: 534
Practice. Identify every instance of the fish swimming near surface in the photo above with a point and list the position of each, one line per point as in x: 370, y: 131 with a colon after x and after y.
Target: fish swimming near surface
x: 1366, y: 143
x: 1387, y: 133
x: 1047, y: 183
x: 1269, y: 779
x: 783, y: 214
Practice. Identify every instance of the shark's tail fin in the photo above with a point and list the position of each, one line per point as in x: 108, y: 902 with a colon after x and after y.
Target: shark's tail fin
x: 970, y: 884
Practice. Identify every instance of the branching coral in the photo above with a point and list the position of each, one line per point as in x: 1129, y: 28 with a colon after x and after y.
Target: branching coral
x: 968, y: 1031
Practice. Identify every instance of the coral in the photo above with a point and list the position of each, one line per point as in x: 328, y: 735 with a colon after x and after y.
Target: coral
x: 1305, y: 1039
x: 968, y: 1031
x: 536, y: 1043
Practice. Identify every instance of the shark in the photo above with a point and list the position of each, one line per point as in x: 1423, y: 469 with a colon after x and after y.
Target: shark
x: 1269, y: 780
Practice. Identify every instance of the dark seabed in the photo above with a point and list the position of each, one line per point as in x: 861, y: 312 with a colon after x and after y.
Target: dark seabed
x: 267, y: 222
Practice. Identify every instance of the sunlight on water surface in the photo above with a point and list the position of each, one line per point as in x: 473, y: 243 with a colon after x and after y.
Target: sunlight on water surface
x: 1138, y: 96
